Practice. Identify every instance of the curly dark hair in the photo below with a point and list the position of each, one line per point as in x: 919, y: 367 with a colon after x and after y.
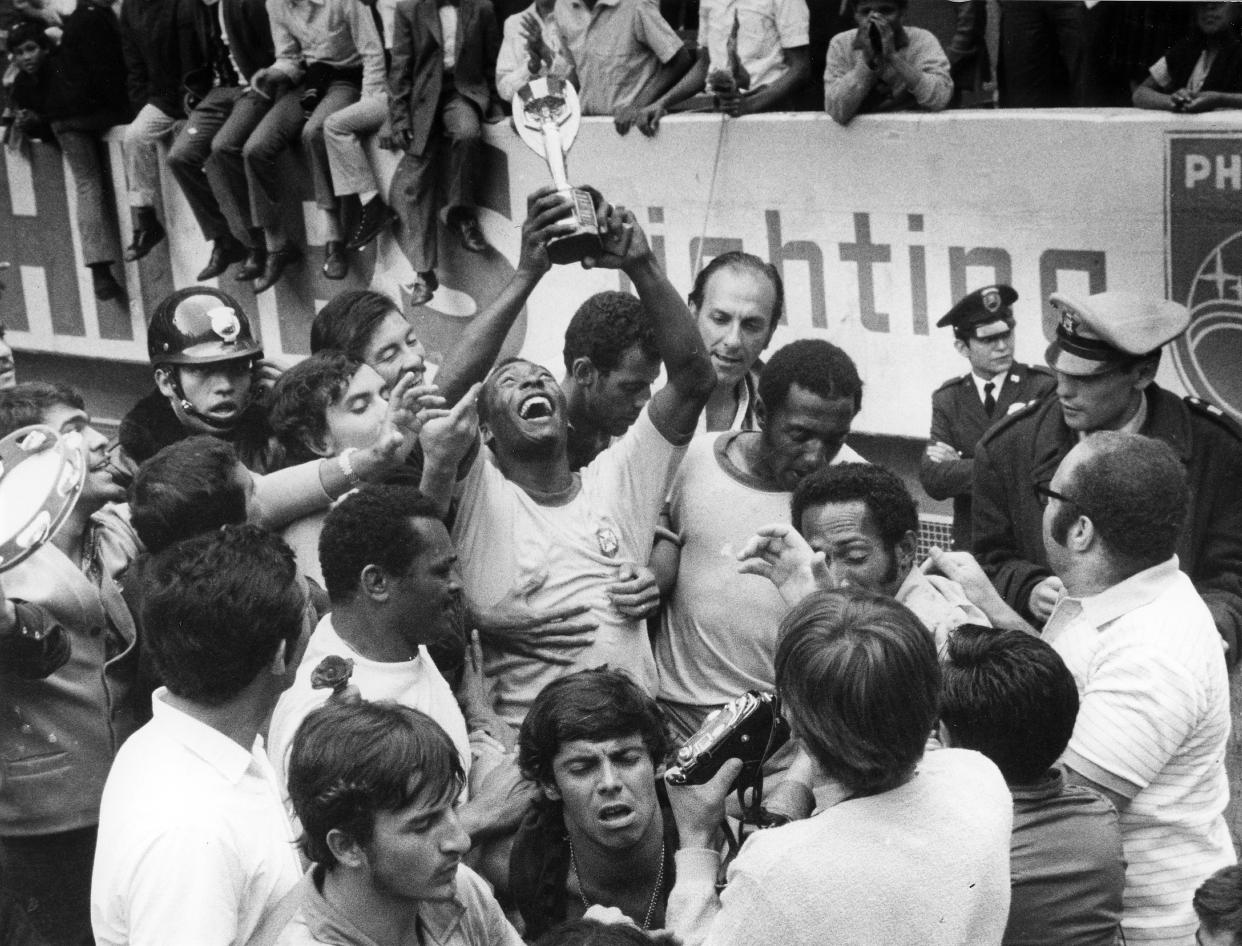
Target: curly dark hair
x: 1218, y: 901
x: 814, y: 364
x: 1010, y: 696
x: 188, y: 488
x: 371, y: 527
x: 891, y: 506
x: 593, y: 705
x: 298, y: 405
x: 605, y: 326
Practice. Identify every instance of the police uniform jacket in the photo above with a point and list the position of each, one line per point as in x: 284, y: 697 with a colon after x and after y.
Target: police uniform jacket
x: 1026, y: 449
x: 958, y: 419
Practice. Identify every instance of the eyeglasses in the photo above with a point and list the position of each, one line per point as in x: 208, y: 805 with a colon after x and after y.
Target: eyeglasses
x: 1044, y: 493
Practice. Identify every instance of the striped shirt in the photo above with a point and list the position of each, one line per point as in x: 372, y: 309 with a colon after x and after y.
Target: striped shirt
x: 1154, y: 727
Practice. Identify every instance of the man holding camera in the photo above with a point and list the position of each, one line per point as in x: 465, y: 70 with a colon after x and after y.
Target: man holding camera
x: 884, y: 66
x: 904, y: 848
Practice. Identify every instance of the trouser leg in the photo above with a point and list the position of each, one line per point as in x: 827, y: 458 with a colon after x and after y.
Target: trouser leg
x: 188, y: 156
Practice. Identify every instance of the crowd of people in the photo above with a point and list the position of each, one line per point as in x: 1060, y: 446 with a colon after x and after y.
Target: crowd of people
x: 358, y: 653
x: 227, y: 87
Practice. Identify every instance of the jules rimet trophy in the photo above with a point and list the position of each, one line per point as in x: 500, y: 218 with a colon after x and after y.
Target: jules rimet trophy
x: 547, y: 115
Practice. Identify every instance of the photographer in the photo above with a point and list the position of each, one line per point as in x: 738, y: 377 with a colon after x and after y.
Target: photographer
x: 884, y: 66
x: 902, y: 848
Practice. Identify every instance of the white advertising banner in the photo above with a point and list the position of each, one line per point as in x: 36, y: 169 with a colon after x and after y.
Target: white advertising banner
x: 876, y: 228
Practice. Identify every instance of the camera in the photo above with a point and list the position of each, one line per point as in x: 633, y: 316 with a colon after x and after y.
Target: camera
x: 749, y: 728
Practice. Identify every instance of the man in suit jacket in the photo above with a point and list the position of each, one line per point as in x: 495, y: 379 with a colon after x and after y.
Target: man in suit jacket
x: 964, y: 408
x: 441, y: 85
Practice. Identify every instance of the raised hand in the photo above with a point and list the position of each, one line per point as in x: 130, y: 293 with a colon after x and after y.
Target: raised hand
x: 779, y: 554
x: 447, y: 436
x: 546, y: 213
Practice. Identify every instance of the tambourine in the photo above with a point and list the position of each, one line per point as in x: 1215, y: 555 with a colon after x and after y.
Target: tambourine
x: 41, y: 477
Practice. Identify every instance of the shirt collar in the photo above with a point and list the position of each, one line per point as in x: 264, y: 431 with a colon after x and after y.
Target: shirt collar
x: 1127, y: 595
x: 437, y: 919
x: 998, y: 382
x: 210, y: 745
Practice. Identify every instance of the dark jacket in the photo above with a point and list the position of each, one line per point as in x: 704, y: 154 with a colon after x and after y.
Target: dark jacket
x: 416, y: 77
x: 164, y: 41
x: 91, y: 51
x: 958, y: 420
x: 249, y: 35
x: 1225, y: 75
x: 151, y: 425
x: 1026, y: 449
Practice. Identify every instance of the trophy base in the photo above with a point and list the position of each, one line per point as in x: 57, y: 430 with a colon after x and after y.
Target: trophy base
x: 584, y: 241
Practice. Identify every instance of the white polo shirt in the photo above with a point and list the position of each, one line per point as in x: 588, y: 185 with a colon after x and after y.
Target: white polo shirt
x: 1153, y: 726
x: 194, y: 846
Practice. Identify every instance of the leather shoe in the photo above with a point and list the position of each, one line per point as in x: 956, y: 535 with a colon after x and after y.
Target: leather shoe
x: 224, y: 253
x: 470, y: 234
x: 145, y: 239
x: 422, y: 289
x: 335, y: 262
x: 252, y: 265
x: 274, y: 268
x: 105, y: 285
x: 375, y: 217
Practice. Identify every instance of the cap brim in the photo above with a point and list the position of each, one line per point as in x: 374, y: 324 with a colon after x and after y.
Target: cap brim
x: 1059, y: 360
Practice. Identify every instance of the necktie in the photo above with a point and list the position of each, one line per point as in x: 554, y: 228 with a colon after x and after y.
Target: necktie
x: 989, y: 402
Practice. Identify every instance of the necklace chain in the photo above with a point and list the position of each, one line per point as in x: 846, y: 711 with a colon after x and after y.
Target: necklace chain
x: 655, y: 893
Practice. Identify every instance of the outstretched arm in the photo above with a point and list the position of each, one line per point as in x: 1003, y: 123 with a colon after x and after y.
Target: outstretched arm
x: 675, y: 407
x: 472, y: 357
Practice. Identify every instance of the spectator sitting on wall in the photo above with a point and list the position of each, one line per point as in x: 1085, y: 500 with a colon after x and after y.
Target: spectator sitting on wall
x: 752, y: 58
x: 72, y: 94
x: 884, y: 66
x: 1010, y: 696
x: 1201, y: 72
x: 441, y: 89
x: 625, y: 55
x: 532, y: 45
x: 160, y: 39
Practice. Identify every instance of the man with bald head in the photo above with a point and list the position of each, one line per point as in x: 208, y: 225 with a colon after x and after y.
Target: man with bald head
x: 1105, y: 355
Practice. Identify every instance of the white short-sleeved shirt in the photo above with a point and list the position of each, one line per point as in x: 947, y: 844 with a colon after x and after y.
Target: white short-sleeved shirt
x: 566, y: 555
x: 194, y: 846
x: 415, y: 683
x: 1153, y: 726
x: 765, y: 27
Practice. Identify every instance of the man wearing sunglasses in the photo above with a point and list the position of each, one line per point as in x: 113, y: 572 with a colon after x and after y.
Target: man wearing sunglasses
x: 1105, y: 355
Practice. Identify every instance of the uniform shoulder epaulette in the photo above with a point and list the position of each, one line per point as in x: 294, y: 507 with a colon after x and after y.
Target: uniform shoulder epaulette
x: 952, y: 382
x: 1010, y: 419
x: 1202, y: 408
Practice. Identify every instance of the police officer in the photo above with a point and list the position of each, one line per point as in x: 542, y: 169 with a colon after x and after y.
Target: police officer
x: 1105, y: 355
x: 963, y: 408
x: 208, y: 375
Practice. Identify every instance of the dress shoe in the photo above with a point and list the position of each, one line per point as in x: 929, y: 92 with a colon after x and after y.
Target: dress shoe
x: 470, y: 234
x: 252, y: 265
x: 145, y: 239
x: 376, y: 215
x: 274, y: 268
x: 105, y: 285
x: 224, y: 253
x: 335, y: 262
x: 423, y: 288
